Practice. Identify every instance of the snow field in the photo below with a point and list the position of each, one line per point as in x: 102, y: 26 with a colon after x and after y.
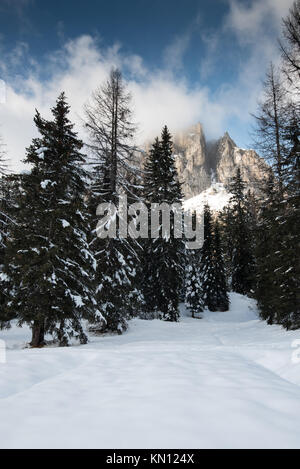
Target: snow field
x: 225, y: 381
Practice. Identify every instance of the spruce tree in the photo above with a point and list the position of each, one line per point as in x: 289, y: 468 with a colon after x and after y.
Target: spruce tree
x: 290, y: 255
x: 221, y: 294
x: 193, y: 288
x: 226, y: 226
x: 243, y: 262
x: 212, y: 275
x: 163, y: 255
x: 268, y: 248
x: 278, y: 243
x: 48, y: 258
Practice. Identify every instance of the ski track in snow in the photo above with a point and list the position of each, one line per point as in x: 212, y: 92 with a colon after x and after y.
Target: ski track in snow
x: 225, y: 381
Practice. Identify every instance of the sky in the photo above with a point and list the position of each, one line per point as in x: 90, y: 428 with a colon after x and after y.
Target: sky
x: 184, y: 61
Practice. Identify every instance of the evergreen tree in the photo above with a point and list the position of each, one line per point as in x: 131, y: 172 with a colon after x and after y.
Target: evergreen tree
x: 278, y: 243
x: 268, y: 250
x: 226, y: 227
x: 163, y: 255
x: 48, y: 258
x: 212, y: 273
x: 193, y: 288
x: 220, y: 284
x: 290, y: 254
x: 108, y: 119
x: 243, y: 263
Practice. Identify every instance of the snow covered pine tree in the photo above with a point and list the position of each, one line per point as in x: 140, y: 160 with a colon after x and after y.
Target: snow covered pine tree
x: 108, y: 120
x: 243, y: 264
x: 212, y: 271
x: 163, y: 255
x: 48, y: 258
x: 193, y: 288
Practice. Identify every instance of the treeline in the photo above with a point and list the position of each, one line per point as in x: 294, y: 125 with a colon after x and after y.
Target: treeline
x: 262, y: 232
x: 57, y: 272
x: 278, y: 234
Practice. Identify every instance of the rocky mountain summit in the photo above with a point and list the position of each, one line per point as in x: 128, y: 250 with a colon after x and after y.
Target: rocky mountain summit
x: 201, y: 164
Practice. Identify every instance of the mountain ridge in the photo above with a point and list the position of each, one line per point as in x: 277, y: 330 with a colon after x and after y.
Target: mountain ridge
x: 200, y: 164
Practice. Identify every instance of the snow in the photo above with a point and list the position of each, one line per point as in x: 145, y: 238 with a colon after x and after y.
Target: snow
x: 45, y: 183
x: 65, y: 223
x: 215, y: 196
x: 225, y: 381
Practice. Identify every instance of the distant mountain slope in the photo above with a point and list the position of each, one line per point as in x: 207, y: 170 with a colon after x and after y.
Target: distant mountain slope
x: 216, y: 196
x: 200, y: 163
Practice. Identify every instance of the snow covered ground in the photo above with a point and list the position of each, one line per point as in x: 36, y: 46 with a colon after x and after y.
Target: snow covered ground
x: 216, y: 196
x: 226, y: 381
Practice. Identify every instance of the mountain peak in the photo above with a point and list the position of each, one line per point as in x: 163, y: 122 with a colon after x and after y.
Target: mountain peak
x: 226, y: 138
x: 200, y: 163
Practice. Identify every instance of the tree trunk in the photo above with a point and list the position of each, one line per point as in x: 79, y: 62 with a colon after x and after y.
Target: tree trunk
x: 38, y: 334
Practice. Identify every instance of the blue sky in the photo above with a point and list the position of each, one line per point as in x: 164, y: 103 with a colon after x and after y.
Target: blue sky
x: 184, y: 61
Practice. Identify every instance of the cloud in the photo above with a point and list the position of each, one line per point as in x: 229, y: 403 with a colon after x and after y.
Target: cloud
x: 78, y: 68
x: 254, y: 20
x: 17, y: 5
x: 174, y: 52
x: 160, y: 96
x: 19, y: 8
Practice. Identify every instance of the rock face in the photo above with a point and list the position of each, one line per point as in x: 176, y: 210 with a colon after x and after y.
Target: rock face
x: 200, y: 163
x: 191, y: 160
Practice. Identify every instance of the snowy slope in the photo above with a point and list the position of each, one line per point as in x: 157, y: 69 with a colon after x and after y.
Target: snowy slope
x: 221, y: 382
x: 215, y: 196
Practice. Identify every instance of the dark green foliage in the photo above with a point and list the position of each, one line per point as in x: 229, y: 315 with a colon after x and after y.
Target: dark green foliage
x: 243, y: 263
x: 221, y: 295
x: 193, y: 287
x: 268, y: 249
x: 212, y: 271
x: 48, y: 259
x: 163, y: 254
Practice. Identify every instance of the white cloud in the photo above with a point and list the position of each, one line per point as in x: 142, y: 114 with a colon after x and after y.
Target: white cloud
x: 78, y: 68
x: 158, y: 97
x: 174, y: 52
x: 251, y: 21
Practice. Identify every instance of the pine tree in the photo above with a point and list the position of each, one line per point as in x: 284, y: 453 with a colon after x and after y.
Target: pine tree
x: 108, y: 120
x: 278, y: 243
x: 221, y: 295
x: 290, y: 254
x: 267, y: 251
x: 163, y: 255
x: 193, y: 288
x: 212, y: 274
x: 48, y: 258
x: 243, y: 263
x: 226, y: 228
